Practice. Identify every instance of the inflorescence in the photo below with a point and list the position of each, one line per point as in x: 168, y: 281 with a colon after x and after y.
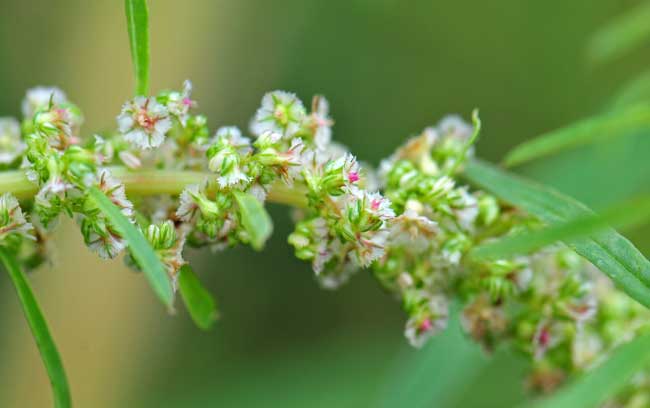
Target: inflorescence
x: 411, y: 222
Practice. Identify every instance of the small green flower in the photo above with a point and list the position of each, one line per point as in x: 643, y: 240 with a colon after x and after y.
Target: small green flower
x: 168, y: 246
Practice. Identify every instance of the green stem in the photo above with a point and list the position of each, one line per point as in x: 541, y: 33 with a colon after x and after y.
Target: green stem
x: 150, y: 182
x: 40, y: 331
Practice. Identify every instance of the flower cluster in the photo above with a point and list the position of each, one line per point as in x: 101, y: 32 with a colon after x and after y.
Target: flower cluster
x: 412, y: 223
x: 553, y: 305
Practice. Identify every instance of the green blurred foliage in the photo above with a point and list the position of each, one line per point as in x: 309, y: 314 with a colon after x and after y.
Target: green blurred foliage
x: 389, y: 68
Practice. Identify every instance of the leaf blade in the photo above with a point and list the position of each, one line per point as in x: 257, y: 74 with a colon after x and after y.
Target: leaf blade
x: 594, y: 387
x: 44, y: 341
x: 628, y: 214
x: 137, y: 20
x: 255, y: 219
x: 595, y: 129
x: 610, y: 252
x: 634, y: 91
x: 198, y: 301
x: 142, y: 252
x: 622, y: 35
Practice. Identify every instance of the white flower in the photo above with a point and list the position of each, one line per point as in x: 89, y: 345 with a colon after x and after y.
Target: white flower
x: 441, y: 187
x: 413, y: 230
x: 267, y: 139
x: 12, y: 219
x: 179, y: 103
x: 546, y: 336
x: 226, y: 163
x: 129, y: 159
x: 233, y: 137
x: 379, y: 206
x: 428, y: 322
x: 188, y: 208
x: 289, y: 162
x: 11, y: 146
x: 144, y: 122
x: 55, y: 186
x: 115, y: 191
x: 369, y: 247
x: 281, y: 112
x: 455, y: 126
x: 349, y: 167
x: 586, y: 348
x: 334, y: 277
x: 226, y: 154
x: 106, y: 246
x: 468, y: 209
x: 319, y: 122
x: 39, y: 98
x: 233, y: 177
x: 258, y: 191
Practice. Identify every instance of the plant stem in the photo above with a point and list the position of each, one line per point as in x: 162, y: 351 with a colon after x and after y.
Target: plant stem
x: 38, y: 325
x: 150, y: 182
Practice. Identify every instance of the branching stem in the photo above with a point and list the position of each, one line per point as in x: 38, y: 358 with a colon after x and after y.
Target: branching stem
x: 151, y: 182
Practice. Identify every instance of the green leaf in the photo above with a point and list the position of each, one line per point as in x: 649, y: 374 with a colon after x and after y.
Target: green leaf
x: 635, y: 91
x: 198, y: 301
x: 595, y: 386
x: 622, y: 35
x: 40, y: 331
x: 596, y: 129
x: 137, y: 21
x: 254, y: 218
x: 608, y: 251
x: 140, y: 249
x: 628, y: 214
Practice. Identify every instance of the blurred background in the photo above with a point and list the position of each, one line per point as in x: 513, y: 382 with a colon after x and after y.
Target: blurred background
x: 389, y: 68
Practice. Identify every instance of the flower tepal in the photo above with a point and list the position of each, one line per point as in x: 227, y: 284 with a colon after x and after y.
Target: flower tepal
x: 40, y: 97
x: 12, y: 219
x: 11, y: 145
x: 281, y: 112
x: 144, y: 122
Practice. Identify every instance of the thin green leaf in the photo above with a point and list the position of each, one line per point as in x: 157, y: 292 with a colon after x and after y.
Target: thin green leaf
x: 40, y: 331
x: 137, y: 21
x: 198, y: 301
x: 476, y: 122
x: 140, y: 249
x: 608, y: 251
x: 594, y: 387
x: 596, y: 129
x: 622, y: 35
x: 628, y: 214
x: 255, y: 219
x: 635, y: 91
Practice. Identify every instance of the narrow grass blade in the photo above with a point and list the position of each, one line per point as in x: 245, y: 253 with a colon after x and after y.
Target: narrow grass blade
x: 596, y: 129
x: 141, y: 251
x: 635, y: 91
x: 625, y: 215
x: 137, y: 21
x: 622, y: 35
x: 198, y: 301
x: 610, y: 252
x: 596, y: 386
x: 255, y: 219
x: 40, y: 331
